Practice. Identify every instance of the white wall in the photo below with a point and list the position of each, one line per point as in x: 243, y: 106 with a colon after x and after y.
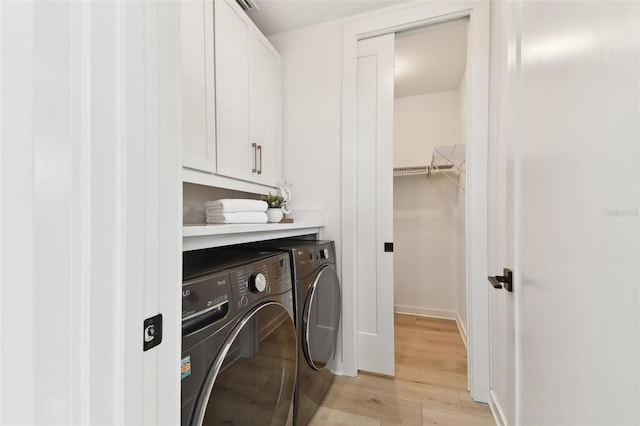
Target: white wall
x: 423, y: 122
x: 425, y: 257
x: 312, y: 120
x: 425, y: 209
x: 312, y: 125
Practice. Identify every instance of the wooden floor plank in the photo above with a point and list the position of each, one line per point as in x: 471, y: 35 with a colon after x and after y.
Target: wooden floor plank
x: 429, y: 387
x: 373, y: 405
x: 329, y: 417
x: 470, y: 406
x: 410, y: 391
x: 443, y: 417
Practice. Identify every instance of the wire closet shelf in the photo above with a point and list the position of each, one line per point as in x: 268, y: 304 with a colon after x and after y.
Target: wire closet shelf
x: 448, y: 160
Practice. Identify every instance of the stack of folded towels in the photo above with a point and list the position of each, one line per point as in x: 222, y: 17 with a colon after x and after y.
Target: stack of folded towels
x: 236, y: 211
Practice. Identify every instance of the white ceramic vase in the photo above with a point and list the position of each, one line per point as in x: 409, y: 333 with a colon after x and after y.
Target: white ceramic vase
x: 274, y: 214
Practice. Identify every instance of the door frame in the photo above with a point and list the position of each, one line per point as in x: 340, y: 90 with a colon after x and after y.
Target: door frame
x: 405, y: 17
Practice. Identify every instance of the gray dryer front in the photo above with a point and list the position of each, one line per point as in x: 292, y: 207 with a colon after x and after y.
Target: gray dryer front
x: 318, y: 303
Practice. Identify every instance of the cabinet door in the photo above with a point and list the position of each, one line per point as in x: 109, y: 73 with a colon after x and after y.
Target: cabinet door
x: 198, y: 117
x: 265, y: 114
x: 233, y: 35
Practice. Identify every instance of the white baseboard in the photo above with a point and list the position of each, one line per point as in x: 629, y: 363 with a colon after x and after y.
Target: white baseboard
x: 463, y: 330
x: 496, y: 411
x: 424, y: 312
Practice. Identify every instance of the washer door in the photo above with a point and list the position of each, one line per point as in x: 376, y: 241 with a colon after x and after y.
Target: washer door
x: 321, y: 318
x: 252, y: 379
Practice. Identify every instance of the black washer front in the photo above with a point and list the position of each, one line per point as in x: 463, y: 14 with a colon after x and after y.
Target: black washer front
x: 251, y: 380
x: 239, y: 342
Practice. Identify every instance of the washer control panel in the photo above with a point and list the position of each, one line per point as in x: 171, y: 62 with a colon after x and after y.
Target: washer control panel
x: 204, y: 294
x: 253, y: 281
x: 206, y: 301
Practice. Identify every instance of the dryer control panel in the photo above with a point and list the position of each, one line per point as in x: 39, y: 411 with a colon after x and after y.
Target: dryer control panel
x: 307, y: 259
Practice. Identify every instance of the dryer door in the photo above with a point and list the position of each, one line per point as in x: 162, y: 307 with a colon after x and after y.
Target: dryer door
x: 251, y: 381
x: 321, y: 318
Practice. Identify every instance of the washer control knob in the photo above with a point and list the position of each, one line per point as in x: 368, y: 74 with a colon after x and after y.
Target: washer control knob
x: 257, y: 282
x: 324, y: 253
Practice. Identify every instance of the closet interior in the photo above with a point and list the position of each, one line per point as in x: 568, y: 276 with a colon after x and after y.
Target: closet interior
x: 430, y: 115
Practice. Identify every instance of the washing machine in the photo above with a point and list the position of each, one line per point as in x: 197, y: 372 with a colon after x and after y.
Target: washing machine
x: 239, y: 342
x: 318, y: 304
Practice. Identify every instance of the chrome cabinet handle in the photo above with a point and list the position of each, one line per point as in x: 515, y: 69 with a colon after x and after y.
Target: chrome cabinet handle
x: 255, y: 159
x: 260, y: 168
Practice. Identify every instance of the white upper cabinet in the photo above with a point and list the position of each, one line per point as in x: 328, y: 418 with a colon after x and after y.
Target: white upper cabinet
x: 231, y: 78
x: 266, y: 110
x: 198, y: 88
x: 248, y: 98
x: 233, y: 45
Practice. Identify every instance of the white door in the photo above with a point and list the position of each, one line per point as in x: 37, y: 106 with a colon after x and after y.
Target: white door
x: 89, y: 212
x: 578, y: 292
x: 501, y: 233
x: 374, y: 204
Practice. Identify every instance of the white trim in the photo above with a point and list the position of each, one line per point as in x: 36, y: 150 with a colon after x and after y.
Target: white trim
x: 517, y: 220
x: 18, y: 401
x: 120, y: 217
x: 408, y: 16
x: 496, y: 411
x: 81, y: 227
x: 195, y: 237
x: 463, y: 330
x: 425, y: 312
x: 209, y: 179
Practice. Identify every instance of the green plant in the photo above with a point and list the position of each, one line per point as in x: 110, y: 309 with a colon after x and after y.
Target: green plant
x: 273, y: 201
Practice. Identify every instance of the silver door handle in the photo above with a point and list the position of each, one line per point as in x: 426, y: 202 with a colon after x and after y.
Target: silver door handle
x: 260, y: 150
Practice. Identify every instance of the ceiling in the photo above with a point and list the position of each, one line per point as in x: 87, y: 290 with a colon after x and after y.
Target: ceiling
x: 432, y: 59
x: 278, y: 16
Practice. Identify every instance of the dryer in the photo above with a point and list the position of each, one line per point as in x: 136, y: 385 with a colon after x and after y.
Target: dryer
x: 239, y: 345
x: 318, y: 304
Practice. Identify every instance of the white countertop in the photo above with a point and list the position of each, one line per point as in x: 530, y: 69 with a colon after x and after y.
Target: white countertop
x: 195, y: 237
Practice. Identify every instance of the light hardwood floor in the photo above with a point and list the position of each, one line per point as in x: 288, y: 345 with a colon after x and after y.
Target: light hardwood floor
x: 430, y: 386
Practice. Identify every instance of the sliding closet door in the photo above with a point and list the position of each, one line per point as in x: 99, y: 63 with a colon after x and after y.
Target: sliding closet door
x: 374, y: 205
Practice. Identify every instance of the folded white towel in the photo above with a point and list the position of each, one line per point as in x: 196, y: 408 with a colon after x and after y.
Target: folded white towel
x: 238, y: 217
x: 232, y: 205
x: 217, y: 211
